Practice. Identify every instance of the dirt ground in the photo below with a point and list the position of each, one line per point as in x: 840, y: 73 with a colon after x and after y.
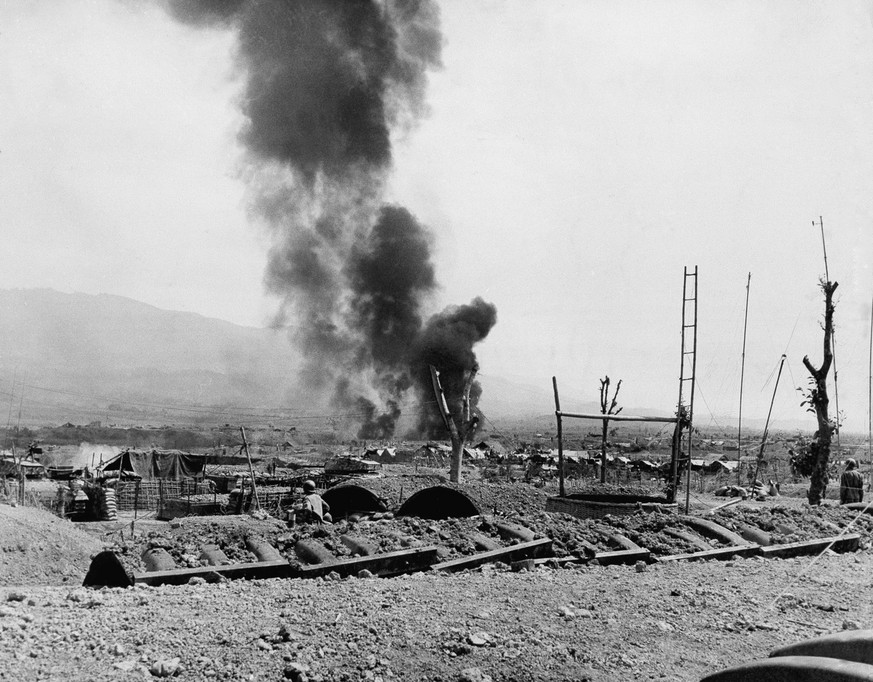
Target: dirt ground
x: 38, y: 548
x: 671, y: 621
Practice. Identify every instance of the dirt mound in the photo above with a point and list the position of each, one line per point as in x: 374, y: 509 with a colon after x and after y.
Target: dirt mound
x: 184, y: 538
x: 394, y: 489
x: 785, y: 523
x: 491, y: 498
x: 38, y: 548
x: 183, y: 541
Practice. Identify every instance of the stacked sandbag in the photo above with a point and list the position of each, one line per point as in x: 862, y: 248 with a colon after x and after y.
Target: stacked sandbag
x: 108, y: 506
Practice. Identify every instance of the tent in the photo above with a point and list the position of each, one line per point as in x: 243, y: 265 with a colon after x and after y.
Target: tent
x: 435, y: 454
x: 173, y: 465
x: 722, y: 466
x: 473, y: 453
x: 380, y: 453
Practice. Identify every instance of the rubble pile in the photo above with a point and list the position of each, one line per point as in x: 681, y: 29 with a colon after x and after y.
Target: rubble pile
x: 663, y: 534
x: 794, y: 524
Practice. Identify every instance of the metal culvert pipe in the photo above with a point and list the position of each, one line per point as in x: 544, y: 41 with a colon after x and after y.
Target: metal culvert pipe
x: 262, y: 549
x: 688, y: 537
x: 483, y: 543
x: 158, y: 559
x: 357, y: 546
x: 514, y: 531
x: 756, y: 535
x: 214, y: 556
x: 312, y: 552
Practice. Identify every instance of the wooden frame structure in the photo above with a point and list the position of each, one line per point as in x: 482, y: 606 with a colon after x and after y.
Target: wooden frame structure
x: 684, y: 416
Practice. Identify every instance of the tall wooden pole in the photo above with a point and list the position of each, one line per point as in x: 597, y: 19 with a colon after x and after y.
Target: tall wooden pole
x: 561, y: 490
x: 242, y: 431
x: 11, y: 405
x: 767, y: 423
x: 742, y: 374
x: 824, y: 247
x: 870, y: 391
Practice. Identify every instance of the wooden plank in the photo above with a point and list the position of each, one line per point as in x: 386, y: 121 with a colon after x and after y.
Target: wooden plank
x: 560, y: 561
x: 623, y: 556
x: 859, y: 506
x: 796, y: 669
x: 851, y: 645
x: 387, y: 564
x: 729, y: 503
x: 523, y: 550
x: 616, y: 417
x: 251, y: 571
x: 720, y: 553
x: 847, y: 543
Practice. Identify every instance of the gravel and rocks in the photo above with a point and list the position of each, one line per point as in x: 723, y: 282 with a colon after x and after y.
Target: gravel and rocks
x: 787, y: 522
x: 675, y: 621
x: 671, y: 622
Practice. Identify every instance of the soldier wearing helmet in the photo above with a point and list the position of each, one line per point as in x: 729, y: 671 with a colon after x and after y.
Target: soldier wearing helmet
x: 314, y: 504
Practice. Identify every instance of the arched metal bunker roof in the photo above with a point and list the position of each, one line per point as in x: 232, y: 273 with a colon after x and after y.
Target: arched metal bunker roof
x: 438, y: 502
x: 351, y: 499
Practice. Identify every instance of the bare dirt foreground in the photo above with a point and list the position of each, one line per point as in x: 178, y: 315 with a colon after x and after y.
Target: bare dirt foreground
x: 675, y: 621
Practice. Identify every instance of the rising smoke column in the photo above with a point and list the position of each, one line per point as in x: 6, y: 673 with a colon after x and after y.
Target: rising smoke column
x: 325, y: 83
x: 446, y: 342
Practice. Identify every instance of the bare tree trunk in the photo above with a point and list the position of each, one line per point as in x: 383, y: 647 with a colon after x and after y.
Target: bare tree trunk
x: 818, y: 401
x: 457, y: 452
x: 459, y: 433
x: 607, y: 407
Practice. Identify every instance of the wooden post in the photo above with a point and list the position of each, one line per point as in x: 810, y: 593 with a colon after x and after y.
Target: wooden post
x: 251, y: 468
x: 604, y: 433
x: 742, y: 373
x: 561, y: 490
x: 675, y: 451
x: 760, y: 458
x: 688, y: 470
x: 135, y: 504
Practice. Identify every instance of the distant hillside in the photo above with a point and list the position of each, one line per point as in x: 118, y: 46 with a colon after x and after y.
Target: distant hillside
x: 86, y: 358
x: 514, y: 398
x: 114, y: 348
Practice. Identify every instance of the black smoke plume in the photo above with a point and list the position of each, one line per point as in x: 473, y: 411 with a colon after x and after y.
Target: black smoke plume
x: 325, y: 84
x: 446, y: 342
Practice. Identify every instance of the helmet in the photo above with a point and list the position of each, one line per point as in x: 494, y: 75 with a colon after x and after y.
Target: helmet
x: 309, y: 486
x: 851, y: 464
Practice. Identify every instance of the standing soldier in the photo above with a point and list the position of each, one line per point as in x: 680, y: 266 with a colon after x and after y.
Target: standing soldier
x: 851, y: 484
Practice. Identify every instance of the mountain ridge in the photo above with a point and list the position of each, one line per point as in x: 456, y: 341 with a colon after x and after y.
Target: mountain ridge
x: 86, y: 352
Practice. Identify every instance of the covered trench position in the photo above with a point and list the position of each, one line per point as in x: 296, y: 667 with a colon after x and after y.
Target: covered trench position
x: 435, y: 503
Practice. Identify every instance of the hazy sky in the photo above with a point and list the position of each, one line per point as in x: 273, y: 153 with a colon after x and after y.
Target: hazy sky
x: 576, y: 157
